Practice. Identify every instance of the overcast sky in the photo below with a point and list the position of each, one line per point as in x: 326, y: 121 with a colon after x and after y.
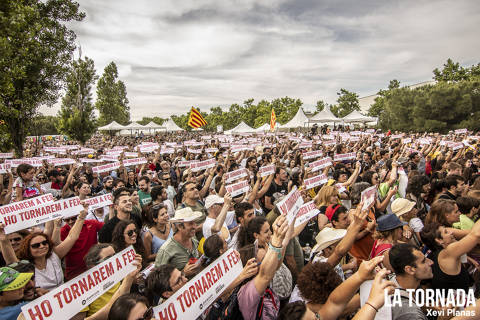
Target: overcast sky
x: 175, y: 54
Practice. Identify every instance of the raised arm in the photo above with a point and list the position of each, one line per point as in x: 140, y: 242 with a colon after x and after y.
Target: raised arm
x: 266, y: 186
x: 457, y: 249
x: 217, y: 226
x: 64, y: 247
x: 354, y: 175
x: 7, y: 251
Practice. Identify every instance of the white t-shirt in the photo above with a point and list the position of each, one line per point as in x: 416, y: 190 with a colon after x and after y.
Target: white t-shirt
x: 170, y: 209
x: 416, y: 224
x: 207, y: 229
x: 52, y: 275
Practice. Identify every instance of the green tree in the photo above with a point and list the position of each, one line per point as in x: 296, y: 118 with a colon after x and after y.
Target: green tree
x: 146, y: 120
x: 112, y: 102
x: 347, y: 102
x: 451, y: 72
x: 377, y: 108
x: 35, y: 51
x: 320, y: 106
x: 76, y: 114
x: 44, y: 125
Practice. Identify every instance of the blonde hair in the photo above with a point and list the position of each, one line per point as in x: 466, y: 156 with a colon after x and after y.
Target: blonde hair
x: 323, y: 196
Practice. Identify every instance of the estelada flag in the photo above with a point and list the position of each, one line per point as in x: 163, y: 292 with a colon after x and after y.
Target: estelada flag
x: 196, y: 120
x: 273, y: 120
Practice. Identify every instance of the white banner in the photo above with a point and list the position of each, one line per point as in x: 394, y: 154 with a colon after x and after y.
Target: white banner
x: 368, y: 196
x: 396, y: 136
x: 202, y: 165
x: 320, y: 164
x: 267, y: 170
x: 235, y: 175
x: 211, y: 150
x: 33, y: 162
x: 195, y: 151
x: 88, y: 160
x: 25, y: 214
x: 106, y: 167
x: 237, y: 188
x: 70, y: 207
x: 61, y: 161
x: 290, y: 205
x: 315, y: 181
x: 306, y: 212
x: 194, y: 298
x: 5, y: 167
x: 67, y: 300
x: 461, y: 131
x: 130, y: 154
x: 134, y: 162
x: 312, y: 154
x: 406, y: 140
x: 345, y: 156
x: 6, y: 155
x: 99, y: 201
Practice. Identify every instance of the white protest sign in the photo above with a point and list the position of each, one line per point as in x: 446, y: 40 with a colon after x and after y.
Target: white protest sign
x: 5, y: 167
x: 134, y: 162
x: 290, y: 205
x: 99, y: 201
x: 396, y: 136
x: 345, y: 156
x: 329, y: 143
x: 61, y: 161
x: 312, y: 154
x: 305, y: 145
x: 235, y: 175
x: 88, y: 160
x: 306, y: 212
x: 456, y: 145
x: 461, y: 131
x: 6, y: 155
x: 237, y: 188
x: 70, y: 207
x: 191, y: 300
x: 130, y: 154
x: 211, y: 150
x: 182, y: 164
x: 406, y: 140
x: 106, y: 167
x: 267, y: 170
x: 83, y: 151
x: 24, y: 214
x: 167, y: 150
x: 320, y: 164
x: 341, y: 188
x: 315, y: 181
x: 113, y: 158
x: 67, y: 300
x: 196, y: 151
x: 202, y: 165
x: 368, y: 196
x: 33, y: 162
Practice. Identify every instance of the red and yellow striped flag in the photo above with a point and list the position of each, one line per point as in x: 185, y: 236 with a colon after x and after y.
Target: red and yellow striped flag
x: 196, y: 120
x: 273, y: 120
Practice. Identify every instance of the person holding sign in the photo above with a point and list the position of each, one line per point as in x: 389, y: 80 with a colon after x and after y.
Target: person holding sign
x: 217, y: 212
x: 12, y: 284
x: 25, y: 187
x: 39, y: 249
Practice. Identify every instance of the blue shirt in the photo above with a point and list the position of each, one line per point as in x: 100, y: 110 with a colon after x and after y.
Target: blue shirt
x: 12, y: 312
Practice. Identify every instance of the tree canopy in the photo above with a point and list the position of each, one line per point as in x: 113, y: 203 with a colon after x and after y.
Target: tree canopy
x: 112, y: 101
x: 347, y: 102
x: 35, y: 50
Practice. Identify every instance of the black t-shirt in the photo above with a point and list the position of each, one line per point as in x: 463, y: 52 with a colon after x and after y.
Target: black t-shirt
x: 105, y: 234
x: 274, y: 192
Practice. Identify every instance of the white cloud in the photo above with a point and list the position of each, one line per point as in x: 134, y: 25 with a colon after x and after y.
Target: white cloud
x: 175, y: 54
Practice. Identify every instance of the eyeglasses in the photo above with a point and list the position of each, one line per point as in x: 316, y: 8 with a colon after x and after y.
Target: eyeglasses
x: 37, y: 245
x: 16, y: 239
x: 131, y: 232
x: 16, y: 264
x: 148, y: 315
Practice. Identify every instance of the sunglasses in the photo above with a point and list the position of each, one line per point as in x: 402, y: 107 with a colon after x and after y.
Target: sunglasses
x: 148, y: 315
x: 71, y: 218
x: 16, y: 239
x: 131, y: 232
x: 37, y: 245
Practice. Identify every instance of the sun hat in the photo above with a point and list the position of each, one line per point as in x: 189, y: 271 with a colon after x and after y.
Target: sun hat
x: 186, y: 215
x: 327, y: 237
x: 401, y: 206
x: 11, y: 279
x: 211, y: 200
x: 389, y: 222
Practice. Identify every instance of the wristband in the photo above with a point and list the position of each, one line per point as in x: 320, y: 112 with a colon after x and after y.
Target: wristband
x: 371, y: 306
x: 277, y: 250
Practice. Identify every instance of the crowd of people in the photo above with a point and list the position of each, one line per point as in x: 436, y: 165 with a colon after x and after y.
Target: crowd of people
x: 420, y: 231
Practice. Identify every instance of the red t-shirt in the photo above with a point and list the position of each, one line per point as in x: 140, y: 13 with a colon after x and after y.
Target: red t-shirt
x: 74, y: 263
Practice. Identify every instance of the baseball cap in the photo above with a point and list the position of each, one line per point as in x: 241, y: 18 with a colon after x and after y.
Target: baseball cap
x: 11, y: 279
x: 211, y: 200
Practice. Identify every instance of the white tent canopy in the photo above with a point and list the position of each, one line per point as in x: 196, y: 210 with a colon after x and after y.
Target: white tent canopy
x: 169, y: 125
x: 112, y: 126
x: 356, y: 116
x: 298, y: 121
x: 134, y: 126
x: 325, y: 116
x: 153, y: 125
x: 266, y: 127
x: 241, y: 128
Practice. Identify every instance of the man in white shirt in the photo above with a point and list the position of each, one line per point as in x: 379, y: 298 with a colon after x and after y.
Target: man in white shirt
x: 217, y: 208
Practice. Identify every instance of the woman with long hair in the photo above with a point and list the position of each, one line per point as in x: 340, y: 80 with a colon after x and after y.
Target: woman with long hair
x: 38, y: 248
x: 159, y: 232
x: 126, y: 234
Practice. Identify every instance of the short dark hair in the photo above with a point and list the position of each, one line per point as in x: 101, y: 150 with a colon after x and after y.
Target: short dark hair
x: 240, y: 209
x: 92, y: 257
x: 156, y: 192
x: 452, y: 180
x: 316, y: 282
x: 465, y: 204
x: 293, y: 311
x: 212, y: 247
x: 146, y: 178
x: 158, y: 282
x: 184, y: 187
x: 401, y: 255
x: 122, y: 307
x: 336, y: 214
x: 429, y: 233
x: 119, y: 192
